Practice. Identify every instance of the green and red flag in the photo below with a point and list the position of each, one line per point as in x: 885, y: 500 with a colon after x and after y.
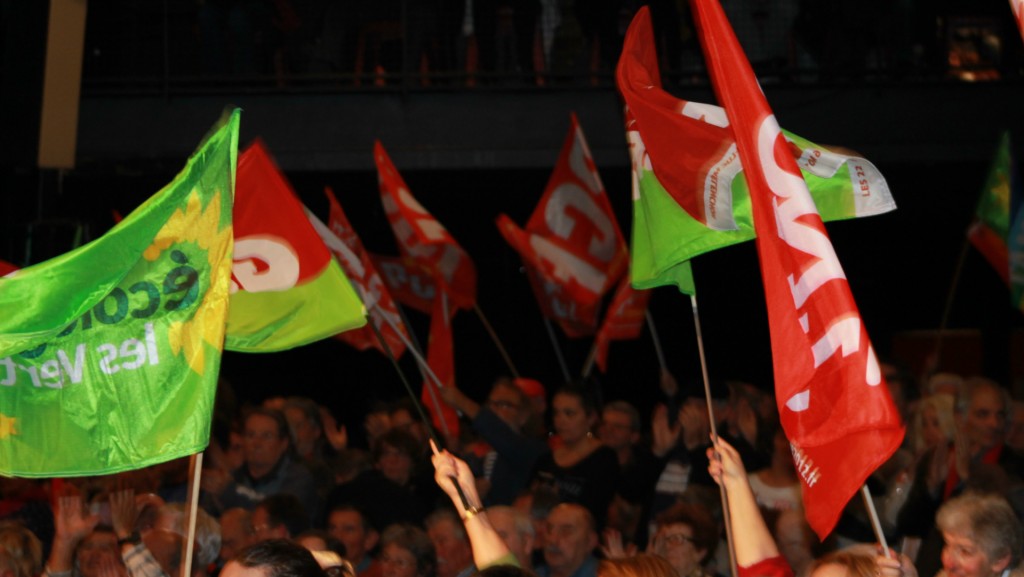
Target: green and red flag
x: 690, y: 193
x: 833, y: 401
x: 287, y: 290
x: 109, y: 354
x: 6, y: 268
x: 998, y: 227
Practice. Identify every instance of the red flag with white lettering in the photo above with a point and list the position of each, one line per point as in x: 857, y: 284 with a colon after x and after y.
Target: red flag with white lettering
x: 344, y: 244
x: 833, y: 401
x: 623, y: 320
x: 409, y: 283
x: 572, y: 243
x: 422, y: 237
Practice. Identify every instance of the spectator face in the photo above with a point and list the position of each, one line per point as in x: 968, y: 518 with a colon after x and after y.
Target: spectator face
x: 264, y: 443
x: 235, y: 532
x: 303, y: 429
x: 520, y: 544
x: 572, y: 423
x: 453, y: 551
x: 98, y: 549
x: 569, y: 539
x: 402, y: 419
x: 507, y: 403
x: 264, y: 529
x: 984, y: 423
x: 347, y: 527
x: 395, y: 464
x: 396, y: 561
x: 616, y: 430
x: 675, y: 544
x: 962, y: 557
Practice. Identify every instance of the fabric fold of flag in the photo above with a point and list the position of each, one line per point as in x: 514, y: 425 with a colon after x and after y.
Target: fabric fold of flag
x: 572, y: 247
x: 623, y: 320
x: 690, y: 190
x: 109, y: 354
x: 833, y: 402
x: 287, y: 291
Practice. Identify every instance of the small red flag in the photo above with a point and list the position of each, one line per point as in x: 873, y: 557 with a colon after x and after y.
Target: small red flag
x: 623, y: 320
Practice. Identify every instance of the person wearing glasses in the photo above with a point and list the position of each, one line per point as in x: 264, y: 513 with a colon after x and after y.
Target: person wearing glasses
x: 686, y: 537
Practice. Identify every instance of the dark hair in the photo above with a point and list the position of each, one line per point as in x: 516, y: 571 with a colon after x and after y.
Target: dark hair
x: 273, y: 414
x: 286, y: 509
x: 364, y: 518
x: 505, y: 571
x: 280, y: 558
x: 309, y: 408
x: 585, y: 394
x: 415, y: 541
x: 698, y: 519
x: 399, y: 439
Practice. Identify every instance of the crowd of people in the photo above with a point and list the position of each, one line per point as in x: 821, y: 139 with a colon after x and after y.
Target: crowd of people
x: 553, y: 485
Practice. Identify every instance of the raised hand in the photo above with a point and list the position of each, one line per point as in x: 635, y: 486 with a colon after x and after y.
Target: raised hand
x: 663, y: 436
x: 123, y: 512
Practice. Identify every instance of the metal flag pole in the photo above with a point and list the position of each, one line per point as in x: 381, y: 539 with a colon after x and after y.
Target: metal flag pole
x: 657, y: 343
x: 714, y: 433
x: 588, y: 365
x: 558, y: 350
x: 497, y: 341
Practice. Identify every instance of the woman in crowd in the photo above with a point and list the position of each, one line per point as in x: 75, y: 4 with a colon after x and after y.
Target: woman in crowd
x: 579, y: 469
x: 983, y: 537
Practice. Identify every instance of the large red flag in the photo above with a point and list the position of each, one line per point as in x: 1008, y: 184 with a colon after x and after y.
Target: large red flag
x: 572, y: 244
x: 623, y: 320
x: 341, y: 239
x: 833, y: 402
x: 422, y: 237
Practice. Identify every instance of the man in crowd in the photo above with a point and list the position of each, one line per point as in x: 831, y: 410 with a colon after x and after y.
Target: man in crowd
x: 516, y: 529
x: 348, y: 524
x: 269, y: 468
x: 571, y: 536
x: 454, y: 553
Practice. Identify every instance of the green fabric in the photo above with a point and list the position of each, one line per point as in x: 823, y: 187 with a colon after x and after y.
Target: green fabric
x: 109, y: 354
x: 993, y: 210
x: 307, y: 312
x: 666, y: 237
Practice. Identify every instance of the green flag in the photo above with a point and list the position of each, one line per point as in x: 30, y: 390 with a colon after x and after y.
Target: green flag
x: 109, y: 354
x: 665, y: 236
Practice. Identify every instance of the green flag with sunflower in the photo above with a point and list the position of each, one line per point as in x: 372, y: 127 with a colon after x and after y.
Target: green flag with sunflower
x: 109, y: 354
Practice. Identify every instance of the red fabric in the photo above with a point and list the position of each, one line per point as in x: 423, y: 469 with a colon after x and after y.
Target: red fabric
x: 410, y: 284
x: 992, y: 246
x: 6, y: 268
x: 833, y: 402
x: 422, y: 237
x: 572, y: 245
x: 441, y: 359
x: 274, y: 249
x: 771, y: 567
x: 371, y: 288
x: 624, y: 319
x: 991, y: 457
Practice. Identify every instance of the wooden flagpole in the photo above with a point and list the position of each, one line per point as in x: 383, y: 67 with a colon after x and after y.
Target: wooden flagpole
x: 195, y: 469
x: 869, y: 503
x: 714, y: 434
x: 497, y: 341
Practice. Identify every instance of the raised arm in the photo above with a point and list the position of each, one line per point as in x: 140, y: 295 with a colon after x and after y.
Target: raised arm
x: 488, y: 547
x: 751, y: 538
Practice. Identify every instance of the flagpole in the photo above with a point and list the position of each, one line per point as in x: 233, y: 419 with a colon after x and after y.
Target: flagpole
x: 588, y: 365
x: 497, y: 341
x: 949, y: 306
x: 869, y: 503
x: 421, y: 363
x: 415, y: 345
x: 415, y: 401
x: 558, y: 350
x: 195, y: 469
x: 654, y: 337
x: 714, y: 434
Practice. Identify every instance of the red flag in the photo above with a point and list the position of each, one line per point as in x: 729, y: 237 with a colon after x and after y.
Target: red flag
x: 572, y: 243
x: 441, y: 359
x: 6, y: 268
x: 341, y: 239
x: 410, y: 283
x: 623, y: 321
x: 1018, y: 14
x: 833, y: 402
x: 422, y: 237
x: 567, y: 302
